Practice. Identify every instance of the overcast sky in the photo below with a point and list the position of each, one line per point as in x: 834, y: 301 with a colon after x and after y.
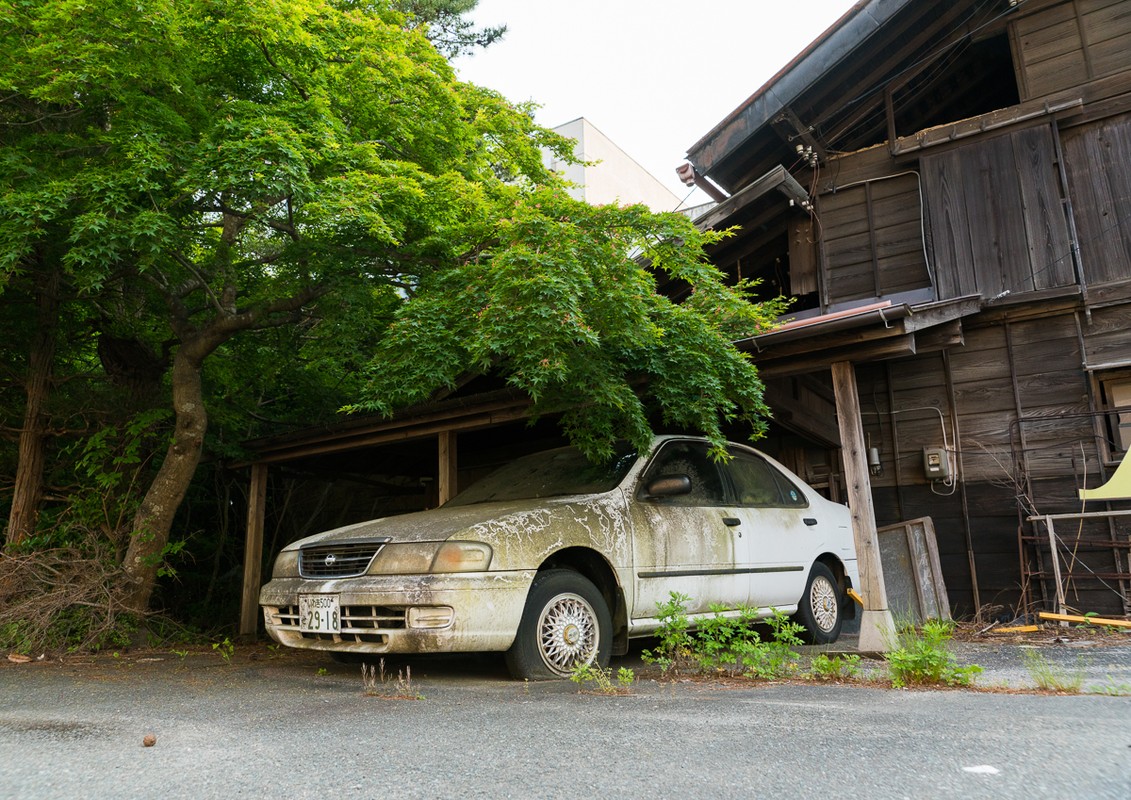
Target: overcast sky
x: 652, y: 75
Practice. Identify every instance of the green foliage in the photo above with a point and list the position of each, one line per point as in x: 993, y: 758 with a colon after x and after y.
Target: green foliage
x: 603, y: 678
x: 674, y: 650
x: 834, y: 668
x: 225, y: 649
x: 727, y: 641
x: 922, y: 657
x: 111, y: 468
x: 562, y: 302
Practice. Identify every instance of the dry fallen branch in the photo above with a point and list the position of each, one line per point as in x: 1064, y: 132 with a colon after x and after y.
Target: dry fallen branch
x: 57, y: 599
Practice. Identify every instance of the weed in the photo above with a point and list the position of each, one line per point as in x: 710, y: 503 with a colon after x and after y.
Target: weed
x: 181, y: 654
x: 1111, y: 689
x: 674, y: 650
x: 225, y: 648
x: 322, y: 672
x: 727, y: 641
x: 1052, y: 677
x: 375, y: 683
x: 603, y: 678
x: 922, y: 657
x: 834, y: 668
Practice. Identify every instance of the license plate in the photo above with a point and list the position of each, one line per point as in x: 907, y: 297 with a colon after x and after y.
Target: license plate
x: 319, y: 613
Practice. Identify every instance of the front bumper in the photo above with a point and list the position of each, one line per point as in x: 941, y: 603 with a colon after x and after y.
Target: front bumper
x: 486, y: 611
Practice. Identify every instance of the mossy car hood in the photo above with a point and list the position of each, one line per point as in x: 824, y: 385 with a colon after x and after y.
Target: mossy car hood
x: 473, y: 522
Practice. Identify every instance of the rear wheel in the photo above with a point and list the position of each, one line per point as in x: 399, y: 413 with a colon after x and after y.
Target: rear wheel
x: 821, y: 610
x: 566, y: 622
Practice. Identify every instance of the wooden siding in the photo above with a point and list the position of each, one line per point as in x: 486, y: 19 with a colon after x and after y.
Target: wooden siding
x: 1097, y: 160
x: 1022, y: 407
x: 995, y: 214
x: 872, y: 241
x: 1069, y: 44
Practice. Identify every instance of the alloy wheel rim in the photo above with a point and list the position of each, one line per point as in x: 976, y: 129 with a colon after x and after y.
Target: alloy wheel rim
x: 822, y: 600
x: 567, y: 633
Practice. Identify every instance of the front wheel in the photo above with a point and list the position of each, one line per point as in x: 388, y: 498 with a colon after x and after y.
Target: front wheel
x: 566, y: 622
x: 820, y: 609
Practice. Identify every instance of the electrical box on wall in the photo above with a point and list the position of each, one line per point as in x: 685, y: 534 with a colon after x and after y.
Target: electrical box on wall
x: 935, y: 463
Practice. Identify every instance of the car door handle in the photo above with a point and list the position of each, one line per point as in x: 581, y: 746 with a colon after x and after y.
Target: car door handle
x: 809, y: 521
x: 731, y: 521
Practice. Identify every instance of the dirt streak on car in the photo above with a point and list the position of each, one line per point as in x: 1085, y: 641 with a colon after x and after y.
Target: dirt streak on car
x: 557, y: 561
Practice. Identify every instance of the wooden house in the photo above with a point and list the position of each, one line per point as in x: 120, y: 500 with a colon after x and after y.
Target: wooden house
x: 945, y: 191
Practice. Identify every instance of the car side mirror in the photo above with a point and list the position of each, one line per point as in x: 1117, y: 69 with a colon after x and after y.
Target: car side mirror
x: 669, y: 486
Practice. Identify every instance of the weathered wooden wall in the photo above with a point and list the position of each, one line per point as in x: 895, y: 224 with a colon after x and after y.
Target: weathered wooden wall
x: 1014, y: 406
x: 871, y: 235
x: 996, y: 216
x: 1096, y: 158
x: 1061, y: 45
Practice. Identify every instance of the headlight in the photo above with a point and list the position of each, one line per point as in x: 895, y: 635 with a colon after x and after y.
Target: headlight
x: 286, y: 565
x: 420, y: 558
x: 462, y: 557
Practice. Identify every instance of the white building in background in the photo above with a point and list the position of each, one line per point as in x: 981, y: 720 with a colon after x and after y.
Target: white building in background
x: 614, y: 177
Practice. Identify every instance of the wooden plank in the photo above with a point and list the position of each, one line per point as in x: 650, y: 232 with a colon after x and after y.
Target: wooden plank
x: 949, y: 225
x: 448, y: 484
x: 1115, y: 623
x: 912, y: 572
x: 1045, y: 229
x: 253, y: 551
x: 876, y: 623
x: 802, y: 256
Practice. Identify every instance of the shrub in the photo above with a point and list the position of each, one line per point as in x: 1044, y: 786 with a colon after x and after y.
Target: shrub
x: 922, y: 657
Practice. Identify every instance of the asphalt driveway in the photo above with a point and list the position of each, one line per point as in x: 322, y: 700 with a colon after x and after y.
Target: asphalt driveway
x: 295, y: 725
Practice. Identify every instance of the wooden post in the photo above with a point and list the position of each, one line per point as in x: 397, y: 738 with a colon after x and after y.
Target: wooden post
x: 448, y: 461
x: 876, y: 625
x: 253, y: 551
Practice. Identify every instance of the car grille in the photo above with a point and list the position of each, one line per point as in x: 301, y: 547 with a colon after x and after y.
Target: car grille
x: 359, y: 623
x: 338, y: 559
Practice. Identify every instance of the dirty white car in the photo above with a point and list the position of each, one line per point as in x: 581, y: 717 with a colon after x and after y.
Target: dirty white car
x: 557, y: 561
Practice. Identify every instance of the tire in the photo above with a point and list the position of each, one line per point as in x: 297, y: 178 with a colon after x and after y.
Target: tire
x: 821, y: 610
x: 565, y: 622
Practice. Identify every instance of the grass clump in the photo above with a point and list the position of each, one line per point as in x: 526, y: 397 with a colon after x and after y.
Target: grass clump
x: 1052, y: 677
x: 922, y: 657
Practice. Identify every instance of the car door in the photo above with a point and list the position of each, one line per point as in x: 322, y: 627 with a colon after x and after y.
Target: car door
x: 779, y: 532
x: 684, y: 542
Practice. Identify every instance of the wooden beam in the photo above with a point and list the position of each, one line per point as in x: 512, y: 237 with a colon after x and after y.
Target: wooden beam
x: 400, y: 434
x: 876, y: 625
x: 1118, y: 623
x: 448, y: 462
x: 253, y: 551
x: 878, y: 351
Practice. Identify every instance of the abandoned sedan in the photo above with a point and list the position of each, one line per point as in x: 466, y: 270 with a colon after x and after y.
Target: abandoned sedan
x: 557, y: 561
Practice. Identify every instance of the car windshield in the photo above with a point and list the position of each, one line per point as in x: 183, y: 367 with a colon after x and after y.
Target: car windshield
x: 553, y: 473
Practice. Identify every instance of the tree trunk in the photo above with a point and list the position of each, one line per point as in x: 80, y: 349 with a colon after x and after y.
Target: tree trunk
x: 28, y: 490
x: 154, y: 519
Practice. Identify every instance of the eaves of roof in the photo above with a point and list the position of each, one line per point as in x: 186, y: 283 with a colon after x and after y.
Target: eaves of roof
x: 865, y: 333
x: 819, y: 59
